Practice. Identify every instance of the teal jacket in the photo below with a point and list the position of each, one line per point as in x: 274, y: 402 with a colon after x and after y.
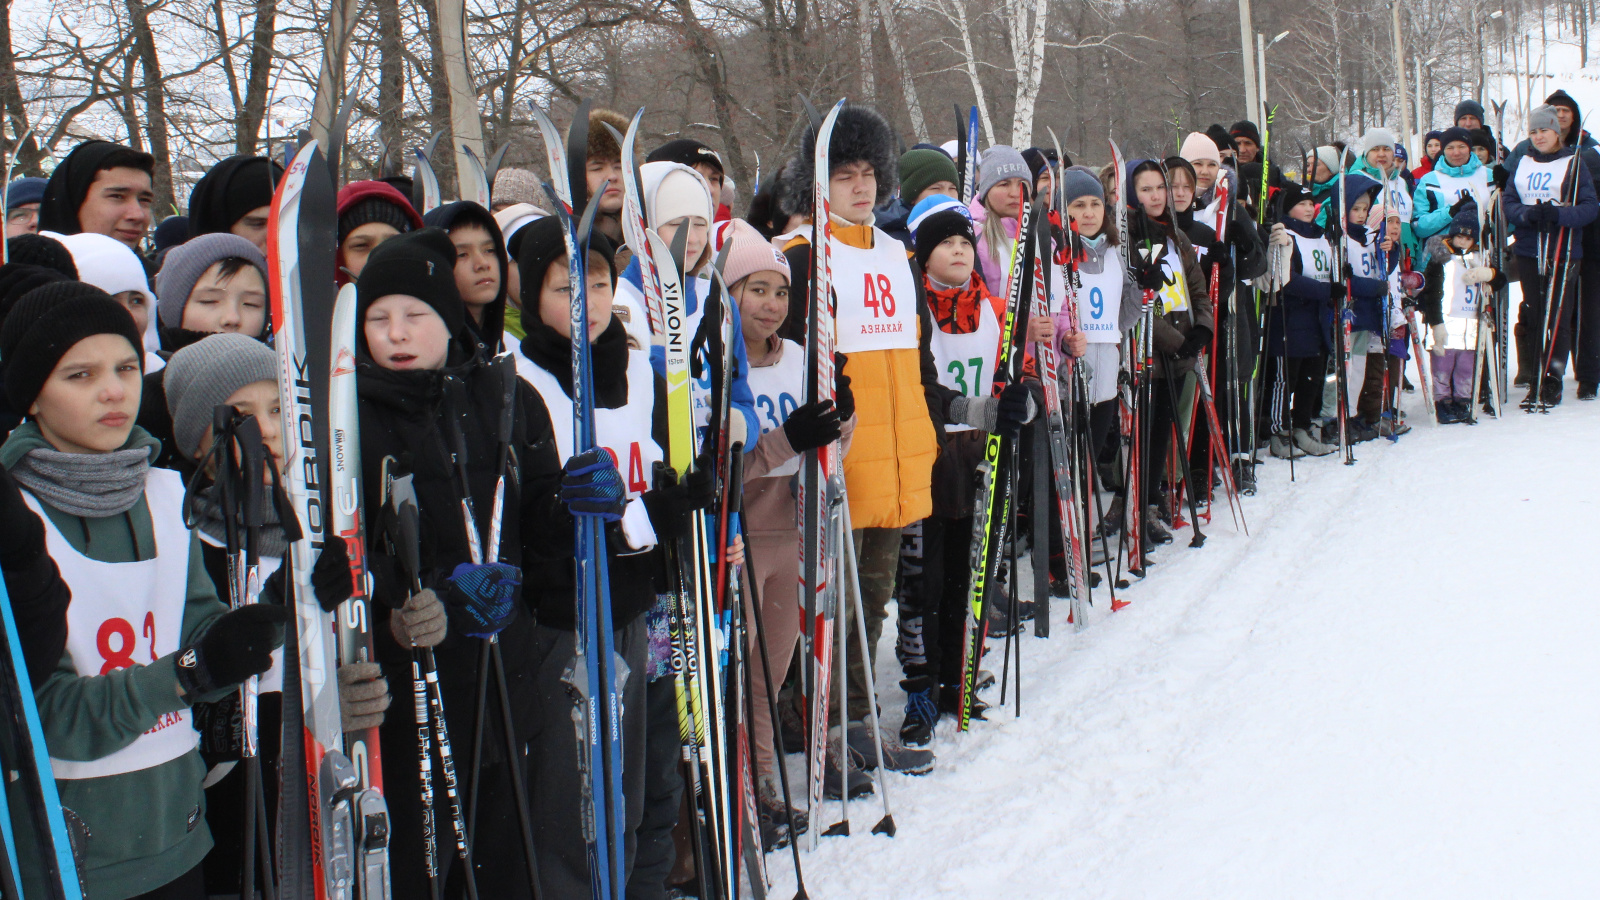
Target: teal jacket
x: 1400, y: 186
x: 146, y: 828
x: 1430, y: 209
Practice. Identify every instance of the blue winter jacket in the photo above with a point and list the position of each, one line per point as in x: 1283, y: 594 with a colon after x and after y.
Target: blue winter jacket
x: 1575, y: 216
x: 1303, y: 306
x: 1430, y: 208
x: 1367, y: 289
x: 741, y: 399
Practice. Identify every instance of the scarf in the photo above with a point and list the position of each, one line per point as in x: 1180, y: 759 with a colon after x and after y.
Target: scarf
x: 91, y: 485
x: 205, y: 513
x: 955, y: 310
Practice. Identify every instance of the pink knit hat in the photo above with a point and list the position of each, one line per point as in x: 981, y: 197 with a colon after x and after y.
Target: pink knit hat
x: 750, y: 253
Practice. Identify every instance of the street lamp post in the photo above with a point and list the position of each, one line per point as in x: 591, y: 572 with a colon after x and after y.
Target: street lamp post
x: 1494, y: 16
x: 1262, y: 46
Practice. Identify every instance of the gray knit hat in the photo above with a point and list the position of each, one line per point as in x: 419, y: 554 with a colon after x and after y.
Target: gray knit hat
x: 203, y: 375
x: 998, y: 164
x: 188, y: 261
x: 518, y: 186
x: 1081, y: 181
x: 1544, y: 117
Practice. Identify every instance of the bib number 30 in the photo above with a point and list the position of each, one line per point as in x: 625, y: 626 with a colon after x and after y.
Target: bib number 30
x: 877, y: 296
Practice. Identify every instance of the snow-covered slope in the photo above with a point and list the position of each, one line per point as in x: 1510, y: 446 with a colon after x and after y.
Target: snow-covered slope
x: 1389, y: 690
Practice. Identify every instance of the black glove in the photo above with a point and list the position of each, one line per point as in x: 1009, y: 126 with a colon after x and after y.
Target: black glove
x: 592, y: 486
x: 1016, y: 409
x: 1198, y: 339
x: 1336, y: 292
x: 1149, y: 273
x: 1500, y: 176
x: 844, y: 400
x: 1462, y: 203
x: 812, y: 426
x: 21, y: 532
x: 674, y: 499
x: 482, y: 599
x: 1543, y: 215
x: 330, y: 575
x: 237, y: 645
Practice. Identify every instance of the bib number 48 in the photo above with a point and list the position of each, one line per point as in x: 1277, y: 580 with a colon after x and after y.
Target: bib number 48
x: 877, y: 295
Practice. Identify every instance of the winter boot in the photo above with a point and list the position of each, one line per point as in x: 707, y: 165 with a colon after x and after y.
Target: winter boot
x: 1110, y: 524
x: 1154, y: 533
x: 950, y: 702
x: 1244, y: 476
x: 1281, y: 447
x: 1361, y: 430
x: 1310, y: 445
x: 1447, y: 411
x: 896, y: 757
x: 779, y: 823
x: 1392, y: 427
x: 922, y: 711
x: 860, y: 783
x: 1586, y: 390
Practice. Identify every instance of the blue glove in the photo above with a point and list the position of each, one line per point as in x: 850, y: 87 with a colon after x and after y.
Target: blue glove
x: 592, y: 486
x: 482, y: 599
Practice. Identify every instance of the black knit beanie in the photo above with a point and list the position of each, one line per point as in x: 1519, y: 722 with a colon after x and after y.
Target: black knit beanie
x: 229, y: 190
x: 420, y: 264
x: 932, y: 232
x: 46, y: 323
x: 375, y: 209
x: 1246, y: 129
x: 38, y: 250
x: 1221, y: 138
x: 542, y: 244
x: 17, y: 279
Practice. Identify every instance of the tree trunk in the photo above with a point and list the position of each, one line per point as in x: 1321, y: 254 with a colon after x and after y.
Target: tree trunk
x: 28, y: 155
x: 908, y: 87
x: 708, y: 59
x: 1027, y: 52
x: 155, y: 106
x: 444, y: 164
x: 258, y: 79
x: 969, y: 59
x: 869, y: 90
x: 391, y: 87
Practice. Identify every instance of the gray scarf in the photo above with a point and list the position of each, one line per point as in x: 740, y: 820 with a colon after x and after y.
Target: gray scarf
x: 205, y: 513
x: 91, y: 485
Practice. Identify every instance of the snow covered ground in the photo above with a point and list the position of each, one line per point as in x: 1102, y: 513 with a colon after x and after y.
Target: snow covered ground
x: 1390, y: 689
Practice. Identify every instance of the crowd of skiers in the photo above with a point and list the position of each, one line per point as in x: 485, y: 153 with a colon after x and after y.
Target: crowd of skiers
x: 1263, y: 328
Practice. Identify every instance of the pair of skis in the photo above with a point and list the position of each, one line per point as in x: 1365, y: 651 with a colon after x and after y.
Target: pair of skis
x: 330, y: 802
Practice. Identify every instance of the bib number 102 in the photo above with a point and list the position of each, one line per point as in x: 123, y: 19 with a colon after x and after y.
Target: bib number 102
x: 877, y: 295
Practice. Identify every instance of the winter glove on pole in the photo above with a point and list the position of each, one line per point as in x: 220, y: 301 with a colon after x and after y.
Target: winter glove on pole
x: 421, y: 622
x: 237, y: 645
x: 844, y: 399
x: 482, y: 599
x: 592, y: 486
x: 21, y: 532
x: 1440, y: 335
x: 1543, y: 216
x: 812, y: 426
x: 1016, y: 408
x: 1199, y: 339
x: 363, y: 696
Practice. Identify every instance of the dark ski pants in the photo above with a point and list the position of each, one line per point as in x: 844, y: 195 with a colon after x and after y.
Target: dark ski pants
x: 1373, y: 401
x: 1531, y: 328
x: 877, y: 558
x: 663, y: 793
x: 1294, y: 391
x: 935, y: 577
x: 191, y: 885
x: 1586, y: 353
x: 554, y: 786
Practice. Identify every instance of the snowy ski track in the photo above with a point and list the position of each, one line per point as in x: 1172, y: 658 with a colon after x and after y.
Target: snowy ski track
x: 1388, y: 690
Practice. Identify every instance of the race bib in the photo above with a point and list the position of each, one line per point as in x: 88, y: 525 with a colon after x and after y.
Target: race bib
x: 876, y: 297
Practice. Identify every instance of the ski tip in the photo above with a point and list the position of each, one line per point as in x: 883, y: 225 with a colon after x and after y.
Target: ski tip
x: 885, y: 826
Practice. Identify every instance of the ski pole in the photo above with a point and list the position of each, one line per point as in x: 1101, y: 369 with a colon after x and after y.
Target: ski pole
x: 852, y: 585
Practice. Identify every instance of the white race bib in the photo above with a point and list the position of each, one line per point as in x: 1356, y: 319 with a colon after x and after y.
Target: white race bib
x: 1316, y: 257
x: 1538, y: 182
x: 1100, y: 299
x: 129, y: 614
x: 877, y: 297
x: 966, y: 362
x: 779, y: 389
x: 625, y: 432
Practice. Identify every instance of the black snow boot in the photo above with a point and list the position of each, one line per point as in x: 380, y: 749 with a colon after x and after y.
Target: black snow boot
x: 922, y: 711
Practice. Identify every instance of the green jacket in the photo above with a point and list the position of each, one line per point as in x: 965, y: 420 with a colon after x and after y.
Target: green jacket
x: 1402, y: 190
x: 146, y: 828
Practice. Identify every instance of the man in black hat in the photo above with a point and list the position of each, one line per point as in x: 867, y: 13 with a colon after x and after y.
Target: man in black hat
x: 698, y: 157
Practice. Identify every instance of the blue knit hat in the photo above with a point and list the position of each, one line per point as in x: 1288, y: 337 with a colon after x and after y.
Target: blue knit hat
x: 1464, y: 222
x: 25, y: 190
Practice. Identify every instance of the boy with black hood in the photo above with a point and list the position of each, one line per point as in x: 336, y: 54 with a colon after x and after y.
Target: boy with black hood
x: 235, y: 196
x: 103, y: 188
x: 481, y: 264
x: 631, y: 431
x: 1297, y: 329
x: 426, y: 399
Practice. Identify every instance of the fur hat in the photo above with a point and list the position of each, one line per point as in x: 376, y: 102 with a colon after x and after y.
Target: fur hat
x: 601, y: 144
x: 860, y: 134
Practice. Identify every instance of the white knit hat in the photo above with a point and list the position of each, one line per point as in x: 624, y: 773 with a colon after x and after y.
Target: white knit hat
x: 673, y: 191
x: 1377, y: 137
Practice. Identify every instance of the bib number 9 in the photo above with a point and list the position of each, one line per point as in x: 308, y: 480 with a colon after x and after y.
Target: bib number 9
x: 1097, y: 304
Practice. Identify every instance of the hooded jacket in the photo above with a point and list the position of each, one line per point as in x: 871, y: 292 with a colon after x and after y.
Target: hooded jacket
x: 230, y: 190
x: 490, y: 333
x: 1399, y: 182
x: 1575, y: 216
x: 1368, y: 287
x: 1298, y: 325
x: 357, y: 191
x: 69, y: 185
x: 1430, y: 205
